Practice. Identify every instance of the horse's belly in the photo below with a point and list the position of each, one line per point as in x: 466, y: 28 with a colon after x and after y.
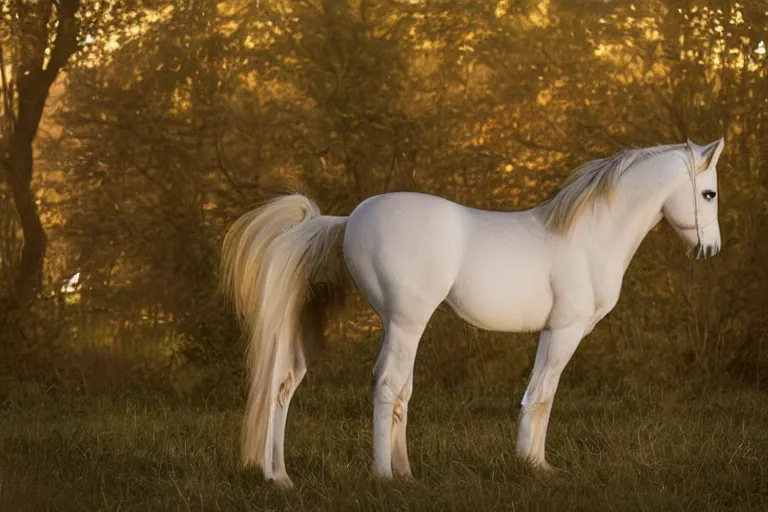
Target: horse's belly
x: 509, y: 295
x: 514, y: 308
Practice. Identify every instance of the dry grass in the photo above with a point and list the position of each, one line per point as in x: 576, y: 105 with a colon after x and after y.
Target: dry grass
x: 628, y: 432
x: 634, y: 449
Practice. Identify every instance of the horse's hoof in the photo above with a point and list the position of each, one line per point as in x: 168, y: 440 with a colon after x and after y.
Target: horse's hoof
x: 382, y: 475
x: 283, y: 483
x: 546, y: 467
x: 541, y: 466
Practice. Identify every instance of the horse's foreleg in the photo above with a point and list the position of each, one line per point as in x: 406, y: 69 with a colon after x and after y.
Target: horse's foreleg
x: 528, y: 434
x: 555, y: 349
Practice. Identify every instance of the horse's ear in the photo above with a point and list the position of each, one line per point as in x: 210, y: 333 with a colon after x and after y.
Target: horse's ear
x: 710, y: 154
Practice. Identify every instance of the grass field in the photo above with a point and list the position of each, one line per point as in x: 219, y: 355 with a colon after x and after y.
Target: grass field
x: 630, y: 450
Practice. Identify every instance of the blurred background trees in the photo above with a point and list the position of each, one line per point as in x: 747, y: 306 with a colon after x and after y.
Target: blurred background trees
x: 163, y: 121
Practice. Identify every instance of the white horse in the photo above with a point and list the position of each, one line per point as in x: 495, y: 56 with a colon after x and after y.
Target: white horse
x: 556, y: 268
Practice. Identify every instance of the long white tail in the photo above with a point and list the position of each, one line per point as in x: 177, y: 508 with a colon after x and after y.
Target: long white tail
x: 270, y: 258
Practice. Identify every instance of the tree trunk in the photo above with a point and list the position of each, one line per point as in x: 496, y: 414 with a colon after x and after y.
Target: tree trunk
x: 34, y: 78
x: 28, y: 278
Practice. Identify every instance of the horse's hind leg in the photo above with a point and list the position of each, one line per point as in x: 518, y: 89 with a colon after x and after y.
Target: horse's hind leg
x: 304, y: 354
x: 391, y: 376
x: 400, y: 463
x: 404, y: 257
x: 285, y: 393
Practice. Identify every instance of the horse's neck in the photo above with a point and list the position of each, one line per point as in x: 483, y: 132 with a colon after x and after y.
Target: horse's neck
x: 619, y: 229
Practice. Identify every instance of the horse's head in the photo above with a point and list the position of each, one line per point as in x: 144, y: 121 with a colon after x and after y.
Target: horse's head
x: 692, y: 209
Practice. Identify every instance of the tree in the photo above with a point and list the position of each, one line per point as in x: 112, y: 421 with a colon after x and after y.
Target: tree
x: 181, y: 116
x: 36, y: 41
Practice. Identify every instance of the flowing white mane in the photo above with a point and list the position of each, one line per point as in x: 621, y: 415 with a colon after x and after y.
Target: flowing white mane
x: 591, y: 181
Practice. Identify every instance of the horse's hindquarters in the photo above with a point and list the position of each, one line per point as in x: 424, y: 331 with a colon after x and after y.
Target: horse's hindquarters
x: 404, y: 251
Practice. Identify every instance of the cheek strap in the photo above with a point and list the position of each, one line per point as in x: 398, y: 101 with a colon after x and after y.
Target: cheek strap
x: 692, y: 173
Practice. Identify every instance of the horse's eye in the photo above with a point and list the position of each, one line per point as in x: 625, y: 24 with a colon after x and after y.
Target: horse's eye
x: 709, y: 194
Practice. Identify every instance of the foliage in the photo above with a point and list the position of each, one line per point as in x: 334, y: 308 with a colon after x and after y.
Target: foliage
x: 176, y: 117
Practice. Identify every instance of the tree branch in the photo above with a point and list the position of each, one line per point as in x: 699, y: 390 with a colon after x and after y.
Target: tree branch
x: 65, y: 44
x: 7, y: 92
x: 218, y: 143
